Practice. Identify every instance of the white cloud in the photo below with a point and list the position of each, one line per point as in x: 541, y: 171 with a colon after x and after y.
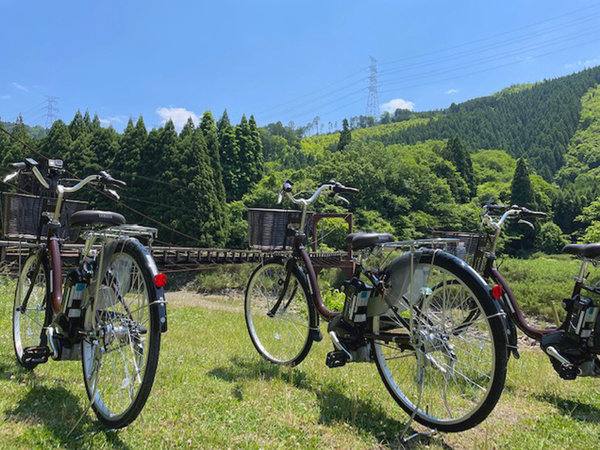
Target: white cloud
x: 396, y: 103
x: 179, y: 116
x: 114, y: 119
x: 4, y: 97
x: 19, y: 87
x: 587, y: 63
x: 452, y: 91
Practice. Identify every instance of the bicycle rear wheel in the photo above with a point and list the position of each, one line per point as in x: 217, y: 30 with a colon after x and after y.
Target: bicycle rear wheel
x: 29, y: 319
x: 121, y: 355
x: 279, y: 327
x: 452, y: 374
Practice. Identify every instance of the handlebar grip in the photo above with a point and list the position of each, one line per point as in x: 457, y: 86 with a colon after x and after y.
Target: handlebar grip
x: 18, y: 165
x: 108, y: 180
x: 528, y: 213
x: 341, y: 189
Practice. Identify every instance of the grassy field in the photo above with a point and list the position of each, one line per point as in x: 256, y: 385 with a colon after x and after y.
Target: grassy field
x: 213, y: 390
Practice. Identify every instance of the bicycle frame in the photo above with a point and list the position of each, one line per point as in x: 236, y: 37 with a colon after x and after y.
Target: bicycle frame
x: 300, y: 250
x: 514, y: 311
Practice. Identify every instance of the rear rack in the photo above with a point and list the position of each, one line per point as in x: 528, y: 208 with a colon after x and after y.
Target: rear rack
x: 122, y: 230
x: 416, y: 243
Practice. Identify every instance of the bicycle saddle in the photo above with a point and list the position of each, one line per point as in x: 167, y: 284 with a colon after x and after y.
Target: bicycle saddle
x: 359, y: 241
x: 585, y: 250
x: 90, y: 217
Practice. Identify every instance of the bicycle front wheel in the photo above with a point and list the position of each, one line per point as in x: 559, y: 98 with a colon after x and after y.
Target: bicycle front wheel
x: 29, y: 317
x: 120, y: 356
x: 452, y: 373
x: 278, y: 313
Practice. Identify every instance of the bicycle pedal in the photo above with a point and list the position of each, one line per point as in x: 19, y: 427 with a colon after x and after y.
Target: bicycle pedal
x: 36, y: 355
x: 336, y: 358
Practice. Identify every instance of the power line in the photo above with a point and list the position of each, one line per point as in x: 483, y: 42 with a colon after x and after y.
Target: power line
x: 528, y: 35
x: 314, y: 93
x: 492, y: 58
x: 538, y: 46
x: 498, y: 66
x: 493, y: 36
x: 497, y: 45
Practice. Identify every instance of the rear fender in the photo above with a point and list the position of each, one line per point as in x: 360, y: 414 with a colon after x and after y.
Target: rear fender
x: 157, y: 295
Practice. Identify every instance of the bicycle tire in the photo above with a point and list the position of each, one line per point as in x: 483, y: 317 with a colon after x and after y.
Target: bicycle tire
x: 272, y: 336
x: 436, y: 362
x: 37, y: 305
x: 137, y: 339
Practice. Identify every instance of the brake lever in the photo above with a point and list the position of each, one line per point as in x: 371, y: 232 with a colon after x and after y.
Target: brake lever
x: 343, y: 199
x: 10, y: 176
x: 113, y: 194
x: 525, y: 222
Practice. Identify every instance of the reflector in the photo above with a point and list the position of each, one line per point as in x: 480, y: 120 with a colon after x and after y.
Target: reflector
x: 497, y: 291
x: 160, y: 280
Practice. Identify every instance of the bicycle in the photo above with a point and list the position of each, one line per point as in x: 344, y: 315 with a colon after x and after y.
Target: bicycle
x: 110, y: 311
x: 414, y: 318
x: 573, y: 346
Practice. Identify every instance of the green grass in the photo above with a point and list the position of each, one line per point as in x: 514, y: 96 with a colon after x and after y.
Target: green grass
x: 213, y: 390
x: 539, y: 282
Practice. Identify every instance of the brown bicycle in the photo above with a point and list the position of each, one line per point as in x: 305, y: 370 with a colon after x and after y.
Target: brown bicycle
x: 424, y: 317
x: 573, y: 346
x: 109, y: 312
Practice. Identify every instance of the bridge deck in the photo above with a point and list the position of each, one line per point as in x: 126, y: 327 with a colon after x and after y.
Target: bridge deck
x: 179, y: 259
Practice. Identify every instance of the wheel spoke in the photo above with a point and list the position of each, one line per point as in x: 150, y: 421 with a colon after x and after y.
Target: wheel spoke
x: 284, y: 335
x: 451, y: 373
x: 121, y: 310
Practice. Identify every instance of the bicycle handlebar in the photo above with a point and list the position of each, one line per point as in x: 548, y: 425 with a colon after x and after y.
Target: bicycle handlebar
x: 514, y: 212
x: 103, y: 178
x: 333, y: 186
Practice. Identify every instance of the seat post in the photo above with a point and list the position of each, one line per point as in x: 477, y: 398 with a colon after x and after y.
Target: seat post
x: 582, y: 271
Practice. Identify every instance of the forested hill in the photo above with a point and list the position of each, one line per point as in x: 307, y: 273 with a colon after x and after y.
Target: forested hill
x: 37, y: 131
x: 534, y: 121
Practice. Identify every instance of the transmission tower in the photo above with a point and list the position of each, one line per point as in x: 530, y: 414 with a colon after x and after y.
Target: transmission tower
x: 51, y: 110
x: 373, y: 99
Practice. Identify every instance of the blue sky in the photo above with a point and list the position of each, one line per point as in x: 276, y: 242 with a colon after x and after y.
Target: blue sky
x: 282, y: 60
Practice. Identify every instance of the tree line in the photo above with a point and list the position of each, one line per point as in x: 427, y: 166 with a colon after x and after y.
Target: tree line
x: 182, y: 180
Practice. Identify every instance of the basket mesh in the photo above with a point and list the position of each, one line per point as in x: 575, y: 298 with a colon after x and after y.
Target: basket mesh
x: 272, y: 229
x: 471, y: 247
x: 21, y: 215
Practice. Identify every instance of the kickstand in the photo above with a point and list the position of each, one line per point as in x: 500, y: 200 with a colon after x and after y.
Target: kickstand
x: 429, y: 434
x: 92, y: 398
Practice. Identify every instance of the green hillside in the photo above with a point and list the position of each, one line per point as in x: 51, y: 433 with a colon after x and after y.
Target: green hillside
x: 37, y: 131
x: 534, y: 121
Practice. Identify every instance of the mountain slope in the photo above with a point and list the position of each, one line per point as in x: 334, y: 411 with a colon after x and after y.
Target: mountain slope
x: 534, y: 121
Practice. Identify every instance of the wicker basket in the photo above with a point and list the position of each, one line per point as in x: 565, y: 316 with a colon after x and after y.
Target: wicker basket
x: 21, y: 215
x: 273, y: 229
x: 471, y: 247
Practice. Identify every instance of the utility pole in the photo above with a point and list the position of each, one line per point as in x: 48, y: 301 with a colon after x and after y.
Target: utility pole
x: 51, y: 110
x: 373, y: 99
